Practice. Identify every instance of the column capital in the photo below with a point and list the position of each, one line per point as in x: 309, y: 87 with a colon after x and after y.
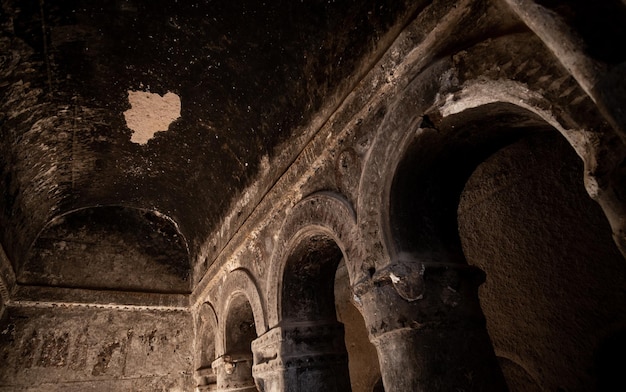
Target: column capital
x: 420, y: 295
x: 233, y: 372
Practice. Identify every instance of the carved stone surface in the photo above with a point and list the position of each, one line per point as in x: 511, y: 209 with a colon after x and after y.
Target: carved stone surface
x: 234, y: 372
x: 386, y: 148
x: 305, y: 356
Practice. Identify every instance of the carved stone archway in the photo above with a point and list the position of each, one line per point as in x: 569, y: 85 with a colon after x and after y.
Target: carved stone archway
x: 207, y: 334
x: 305, y: 349
x: 417, y: 279
x: 241, y: 309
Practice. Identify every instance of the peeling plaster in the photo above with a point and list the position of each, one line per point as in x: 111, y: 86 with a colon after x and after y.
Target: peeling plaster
x: 150, y: 113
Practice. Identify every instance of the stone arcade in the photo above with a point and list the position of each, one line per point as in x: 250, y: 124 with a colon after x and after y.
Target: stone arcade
x: 312, y: 196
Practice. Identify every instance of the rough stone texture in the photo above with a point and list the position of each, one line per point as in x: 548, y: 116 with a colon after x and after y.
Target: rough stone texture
x: 363, y: 360
x: 130, y: 250
x: 309, y: 133
x: 89, y: 348
x: 150, y: 113
x: 249, y: 75
x: 554, y: 277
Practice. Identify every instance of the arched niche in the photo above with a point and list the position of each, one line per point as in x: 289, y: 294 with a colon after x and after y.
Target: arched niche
x: 306, y: 349
x: 308, y: 280
x: 328, y: 220
x: 127, y: 249
x: 239, y: 329
x: 234, y: 368
x: 308, y: 314
x: 243, y: 316
x: 206, y: 339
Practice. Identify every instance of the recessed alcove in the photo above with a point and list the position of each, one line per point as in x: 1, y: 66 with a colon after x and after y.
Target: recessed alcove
x: 128, y: 249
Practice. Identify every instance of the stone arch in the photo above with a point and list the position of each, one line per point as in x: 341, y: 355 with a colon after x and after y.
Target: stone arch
x: 240, y: 282
x: 462, y: 130
x: 440, y: 93
x: 206, y: 325
x: 243, y: 319
x: 114, y: 234
x: 239, y: 326
x: 206, y: 338
x: 322, y: 213
x: 422, y: 200
x: 306, y: 350
x: 464, y: 93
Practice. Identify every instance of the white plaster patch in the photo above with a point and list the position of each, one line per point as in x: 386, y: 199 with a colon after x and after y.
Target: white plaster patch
x: 150, y: 113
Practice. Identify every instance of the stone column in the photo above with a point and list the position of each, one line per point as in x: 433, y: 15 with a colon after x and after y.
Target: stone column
x: 302, y: 356
x: 426, y: 323
x: 234, y: 373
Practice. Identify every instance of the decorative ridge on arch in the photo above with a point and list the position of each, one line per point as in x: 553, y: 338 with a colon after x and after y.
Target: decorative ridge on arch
x: 441, y: 90
x: 240, y: 281
x: 594, y: 77
x: 206, y: 312
x: 322, y: 212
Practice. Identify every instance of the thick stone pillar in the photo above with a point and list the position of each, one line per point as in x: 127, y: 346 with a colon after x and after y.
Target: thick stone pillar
x: 302, y: 356
x: 429, y: 330
x: 234, y: 373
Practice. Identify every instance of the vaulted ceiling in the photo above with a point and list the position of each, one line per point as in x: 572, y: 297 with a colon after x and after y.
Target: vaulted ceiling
x: 248, y: 81
x: 148, y: 131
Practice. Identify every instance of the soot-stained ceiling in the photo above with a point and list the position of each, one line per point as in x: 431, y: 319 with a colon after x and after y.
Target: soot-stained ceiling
x: 250, y: 77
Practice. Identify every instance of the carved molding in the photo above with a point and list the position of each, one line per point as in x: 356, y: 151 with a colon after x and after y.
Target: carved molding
x: 541, y: 86
x: 234, y: 372
x: 317, y: 347
x: 320, y: 213
x: 237, y: 282
x: 447, y: 295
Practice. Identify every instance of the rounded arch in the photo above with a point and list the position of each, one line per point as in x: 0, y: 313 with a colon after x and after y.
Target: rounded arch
x: 242, y: 321
x: 325, y: 222
x: 206, y: 338
x: 205, y: 341
x: 428, y: 181
x: 239, y: 325
x: 148, y: 237
x: 441, y: 96
x: 239, y: 285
